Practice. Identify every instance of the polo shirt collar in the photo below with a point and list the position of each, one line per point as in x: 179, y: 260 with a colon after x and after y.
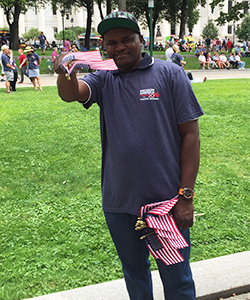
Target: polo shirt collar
x: 146, y: 62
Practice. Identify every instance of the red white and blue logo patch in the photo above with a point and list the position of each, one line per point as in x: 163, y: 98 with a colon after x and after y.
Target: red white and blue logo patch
x: 149, y: 94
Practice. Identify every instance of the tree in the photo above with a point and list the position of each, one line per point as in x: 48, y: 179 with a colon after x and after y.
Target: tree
x: 31, y: 33
x: 235, y: 13
x: 141, y: 11
x: 243, y: 31
x: 110, y: 4
x: 193, y: 16
x: 210, y: 30
x: 68, y: 33
x: 179, y: 11
x: 189, y: 14
x: 12, y: 10
x: 88, y: 4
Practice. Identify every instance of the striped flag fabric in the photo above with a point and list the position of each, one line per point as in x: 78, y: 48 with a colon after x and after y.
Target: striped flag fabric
x: 160, y: 232
x: 92, y: 59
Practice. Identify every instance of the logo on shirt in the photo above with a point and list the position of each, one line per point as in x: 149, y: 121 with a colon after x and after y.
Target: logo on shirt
x: 149, y: 94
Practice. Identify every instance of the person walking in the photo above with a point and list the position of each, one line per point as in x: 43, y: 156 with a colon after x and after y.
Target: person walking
x: 7, y: 67
x: 33, y: 67
x: 22, y: 65
x: 43, y: 40
x: 150, y: 140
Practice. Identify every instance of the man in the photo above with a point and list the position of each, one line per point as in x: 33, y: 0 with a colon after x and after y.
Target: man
x: 7, y: 67
x: 240, y: 62
x: 232, y: 61
x: 2, y: 71
x: 208, y: 43
x: 229, y: 46
x: 169, y: 52
x: 224, y: 43
x: 43, y: 40
x: 150, y: 141
x: 22, y: 64
x: 4, y: 39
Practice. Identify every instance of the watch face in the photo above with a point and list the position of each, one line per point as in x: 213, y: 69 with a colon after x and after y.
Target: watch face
x: 187, y: 193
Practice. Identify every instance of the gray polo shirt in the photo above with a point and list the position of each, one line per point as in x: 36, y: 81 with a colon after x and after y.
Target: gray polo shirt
x: 139, y: 116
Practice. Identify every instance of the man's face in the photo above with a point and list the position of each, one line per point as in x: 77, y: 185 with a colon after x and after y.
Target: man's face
x: 124, y: 46
x: 6, y: 51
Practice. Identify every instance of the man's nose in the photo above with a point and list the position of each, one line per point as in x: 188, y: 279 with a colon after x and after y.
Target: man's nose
x: 120, y: 47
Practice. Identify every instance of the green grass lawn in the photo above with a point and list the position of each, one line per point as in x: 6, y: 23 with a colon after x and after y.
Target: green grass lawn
x: 52, y: 230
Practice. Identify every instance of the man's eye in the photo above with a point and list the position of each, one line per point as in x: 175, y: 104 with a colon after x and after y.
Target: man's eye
x: 110, y: 43
x: 127, y: 40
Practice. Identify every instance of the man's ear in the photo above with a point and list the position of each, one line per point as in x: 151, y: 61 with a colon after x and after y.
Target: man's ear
x: 141, y: 38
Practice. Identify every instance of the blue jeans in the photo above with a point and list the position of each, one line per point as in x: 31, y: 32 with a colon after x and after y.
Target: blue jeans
x: 241, y: 64
x: 133, y: 253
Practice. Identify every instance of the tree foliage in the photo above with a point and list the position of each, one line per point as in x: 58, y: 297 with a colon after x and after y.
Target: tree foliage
x: 176, y: 12
x: 12, y: 10
x: 68, y: 33
x: 243, y: 31
x: 236, y: 12
x: 210, y: 29
x: 31, y: 33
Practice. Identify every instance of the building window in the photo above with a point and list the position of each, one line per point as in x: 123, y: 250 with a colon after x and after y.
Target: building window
x: 172, y: 28
x: 229, y: 29
x: 55, y: 31
x: 230, y: 4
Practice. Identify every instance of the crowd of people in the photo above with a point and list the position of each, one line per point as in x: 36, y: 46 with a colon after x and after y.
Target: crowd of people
x: 224, y: 55
x: 9, y: 67
x: 29, y: 62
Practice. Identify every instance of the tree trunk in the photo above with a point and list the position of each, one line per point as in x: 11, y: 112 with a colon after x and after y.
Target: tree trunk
x: 183, y: 18
x: 13, y: 21
x: 122, y: 5
x: 89, y: 22
x: 99, y: 3
x: 108, y: 11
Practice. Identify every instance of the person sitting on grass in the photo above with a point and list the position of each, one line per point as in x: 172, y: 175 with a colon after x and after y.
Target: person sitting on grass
x: 197, y: 51
x: 233, y: 61
x: 202, y: 60
x: 223, y: 58
x: 240, y: 62
x: 210, y: 61
x: 216, y: 58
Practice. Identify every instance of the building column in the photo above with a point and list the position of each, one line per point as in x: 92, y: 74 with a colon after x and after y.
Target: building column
x: 41, y: 21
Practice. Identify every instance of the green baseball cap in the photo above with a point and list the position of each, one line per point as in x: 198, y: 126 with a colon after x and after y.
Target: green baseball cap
x: 118, y: 19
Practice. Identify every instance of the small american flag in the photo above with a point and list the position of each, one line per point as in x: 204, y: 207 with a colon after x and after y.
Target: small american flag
x: 160, y: 231
x: 92, y: 59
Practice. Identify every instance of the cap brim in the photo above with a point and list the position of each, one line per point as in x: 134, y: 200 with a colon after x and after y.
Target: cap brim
x: 107, y: 24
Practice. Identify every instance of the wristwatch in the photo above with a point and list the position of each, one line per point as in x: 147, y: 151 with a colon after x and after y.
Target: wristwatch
x: 187, y: 193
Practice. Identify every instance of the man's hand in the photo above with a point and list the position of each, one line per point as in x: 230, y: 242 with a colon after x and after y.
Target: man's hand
x: 57, y: 65
x: 183, y: 213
